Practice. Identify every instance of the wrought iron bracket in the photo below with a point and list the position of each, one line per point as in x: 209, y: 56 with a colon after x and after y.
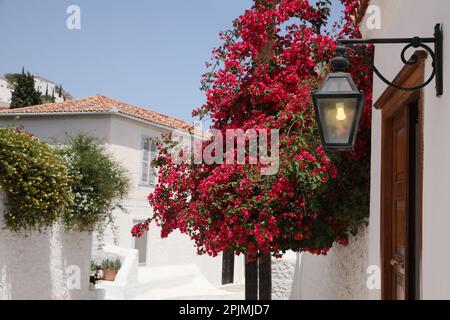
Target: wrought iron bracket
x: 340, y: 63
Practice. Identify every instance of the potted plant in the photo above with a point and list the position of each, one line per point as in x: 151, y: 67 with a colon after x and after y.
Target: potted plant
x: 110, y: 268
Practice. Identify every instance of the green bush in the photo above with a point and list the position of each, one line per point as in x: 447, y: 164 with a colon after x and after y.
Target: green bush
x: 99, y: 184
x: 35, y: 180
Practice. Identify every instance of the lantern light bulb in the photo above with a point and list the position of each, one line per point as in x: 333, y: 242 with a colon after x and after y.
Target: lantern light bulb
x: 340, y: 116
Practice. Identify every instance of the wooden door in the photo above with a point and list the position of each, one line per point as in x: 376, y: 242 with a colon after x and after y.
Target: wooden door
x: 400, y: 206
x: 397, y: 216
x: 401, y: 183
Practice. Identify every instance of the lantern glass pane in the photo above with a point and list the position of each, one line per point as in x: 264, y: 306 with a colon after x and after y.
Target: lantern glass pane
x: 337, y: 84
x: 337, y: 116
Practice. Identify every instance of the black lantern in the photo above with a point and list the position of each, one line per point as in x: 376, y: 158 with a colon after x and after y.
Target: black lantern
x: 338, y: 105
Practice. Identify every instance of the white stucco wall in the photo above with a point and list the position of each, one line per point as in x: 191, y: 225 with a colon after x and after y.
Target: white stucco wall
x: 125, y: 143
x: 408, y: 18
x: 5, y: 92
x: 44, y: 266
x: 57, y: 128
x: 283, y: 275
x: 42, y: 85
x: 340, y: 275
x: 122, y: 138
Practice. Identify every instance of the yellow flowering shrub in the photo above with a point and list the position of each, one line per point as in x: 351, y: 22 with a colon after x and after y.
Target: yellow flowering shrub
x: 35, y: 180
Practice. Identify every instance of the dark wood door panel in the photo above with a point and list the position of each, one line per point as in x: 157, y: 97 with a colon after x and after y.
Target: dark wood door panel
x: 402, y: 183
x: 395, y: 208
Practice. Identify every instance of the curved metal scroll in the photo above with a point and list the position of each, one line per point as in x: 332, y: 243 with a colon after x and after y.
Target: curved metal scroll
x: 412, y: 61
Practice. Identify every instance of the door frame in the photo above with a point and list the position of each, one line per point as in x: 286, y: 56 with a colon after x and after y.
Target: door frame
x: 389, y: 103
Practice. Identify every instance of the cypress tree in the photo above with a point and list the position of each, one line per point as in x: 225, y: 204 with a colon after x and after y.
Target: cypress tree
x: 24, y: 93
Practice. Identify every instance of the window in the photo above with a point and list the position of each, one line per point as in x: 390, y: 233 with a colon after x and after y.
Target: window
x: 148, y: 153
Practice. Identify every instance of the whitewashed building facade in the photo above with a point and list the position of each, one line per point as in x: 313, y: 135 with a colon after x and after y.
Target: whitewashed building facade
x: 124, y: 129
x: 45, y: 86
x: 42, y: 85
x: 5, y: 93
x: 403, y: 253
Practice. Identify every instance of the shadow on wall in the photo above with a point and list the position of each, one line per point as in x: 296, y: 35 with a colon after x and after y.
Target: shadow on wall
x: 44, y: 266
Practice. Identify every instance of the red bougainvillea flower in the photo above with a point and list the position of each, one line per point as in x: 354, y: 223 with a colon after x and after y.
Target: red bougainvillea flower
x: 262, y: 77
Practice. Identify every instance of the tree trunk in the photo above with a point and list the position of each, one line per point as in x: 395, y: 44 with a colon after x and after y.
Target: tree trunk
x: 265, y: 277
x: 251, y: 280
x: 228, y: 267
x: 261, y: 281
x: 258, y: 278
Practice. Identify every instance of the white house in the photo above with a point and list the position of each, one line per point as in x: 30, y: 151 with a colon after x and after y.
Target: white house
x: 41, y: 84
x: 404, y: 252
x: 5, y: 93
x: 46, y: 86
x: 410, y: 205
x: 124, y: 129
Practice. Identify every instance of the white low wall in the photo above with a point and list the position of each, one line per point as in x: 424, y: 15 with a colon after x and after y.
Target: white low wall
x: 126, y: 284
x: 340, y: 275
x: 54, y: 265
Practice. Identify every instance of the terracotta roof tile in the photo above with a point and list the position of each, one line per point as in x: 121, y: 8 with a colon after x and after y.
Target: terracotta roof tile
x: 99, y: 104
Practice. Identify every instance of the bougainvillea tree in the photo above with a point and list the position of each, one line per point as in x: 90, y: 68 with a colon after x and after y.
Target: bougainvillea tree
x: 262, y: 77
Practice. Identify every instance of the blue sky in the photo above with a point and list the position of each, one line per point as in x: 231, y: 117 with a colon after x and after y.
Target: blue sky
x: 145, y: 52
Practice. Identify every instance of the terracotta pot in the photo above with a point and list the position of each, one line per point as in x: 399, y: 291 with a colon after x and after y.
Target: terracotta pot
x: 109, y: 275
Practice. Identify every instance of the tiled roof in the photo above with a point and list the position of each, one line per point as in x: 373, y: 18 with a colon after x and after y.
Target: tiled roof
x: 100, y: 104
